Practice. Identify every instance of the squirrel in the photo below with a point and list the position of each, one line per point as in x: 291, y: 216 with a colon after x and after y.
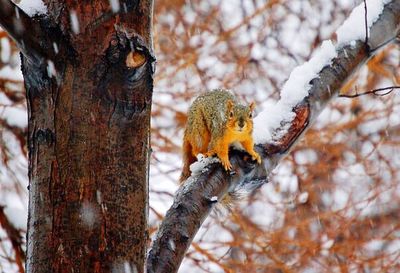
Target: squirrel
x: 215, y: 121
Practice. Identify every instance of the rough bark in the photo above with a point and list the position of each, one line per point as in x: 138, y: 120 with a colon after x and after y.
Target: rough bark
x: 89, y: 106
x: 192, y: 203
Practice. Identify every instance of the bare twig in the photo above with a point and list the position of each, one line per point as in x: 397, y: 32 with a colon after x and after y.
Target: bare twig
x: 374, y: 92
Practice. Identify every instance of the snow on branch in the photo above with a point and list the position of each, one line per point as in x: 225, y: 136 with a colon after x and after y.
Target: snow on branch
x: 360, y: 20
x: 303, y: 97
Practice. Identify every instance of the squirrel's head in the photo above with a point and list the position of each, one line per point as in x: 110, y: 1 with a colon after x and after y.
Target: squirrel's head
x: 240, y: 117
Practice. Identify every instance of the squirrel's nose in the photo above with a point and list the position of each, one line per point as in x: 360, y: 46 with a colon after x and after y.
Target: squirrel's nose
x: 241, y: 123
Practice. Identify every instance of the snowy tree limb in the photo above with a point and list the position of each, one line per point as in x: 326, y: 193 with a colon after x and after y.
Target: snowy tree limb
x: 27, y: 32
x: 194, y: 200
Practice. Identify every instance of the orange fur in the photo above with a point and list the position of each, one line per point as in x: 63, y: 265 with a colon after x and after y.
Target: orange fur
x: 211, y: 129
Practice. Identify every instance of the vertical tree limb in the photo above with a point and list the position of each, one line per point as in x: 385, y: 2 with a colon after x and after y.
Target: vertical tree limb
x: 88, y: 125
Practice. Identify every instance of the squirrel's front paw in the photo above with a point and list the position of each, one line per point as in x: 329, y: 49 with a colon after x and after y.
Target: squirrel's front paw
x: 256, y: 157
x: 226, y: 164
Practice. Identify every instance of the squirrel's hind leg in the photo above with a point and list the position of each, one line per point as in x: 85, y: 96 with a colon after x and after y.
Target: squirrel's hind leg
x: 188, y: 159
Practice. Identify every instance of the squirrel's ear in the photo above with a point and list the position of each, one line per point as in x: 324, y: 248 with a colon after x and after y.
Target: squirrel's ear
x: 229, y: 105
x: 252, y: 106
x: 229, y: 108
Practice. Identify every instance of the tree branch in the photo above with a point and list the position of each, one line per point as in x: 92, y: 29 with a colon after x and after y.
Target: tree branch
x: 24, y: 30
x: 193, y: 201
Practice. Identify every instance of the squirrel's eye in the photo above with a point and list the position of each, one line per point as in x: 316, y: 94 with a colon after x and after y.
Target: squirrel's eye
x: 251, y: 115
x: 231, y: 114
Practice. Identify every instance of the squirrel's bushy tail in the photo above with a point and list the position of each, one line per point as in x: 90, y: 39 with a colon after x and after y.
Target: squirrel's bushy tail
x: 239, y: 194
x: 227, y: 203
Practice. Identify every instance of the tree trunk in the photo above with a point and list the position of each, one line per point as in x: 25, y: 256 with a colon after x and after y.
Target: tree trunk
x: 89, y: 101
